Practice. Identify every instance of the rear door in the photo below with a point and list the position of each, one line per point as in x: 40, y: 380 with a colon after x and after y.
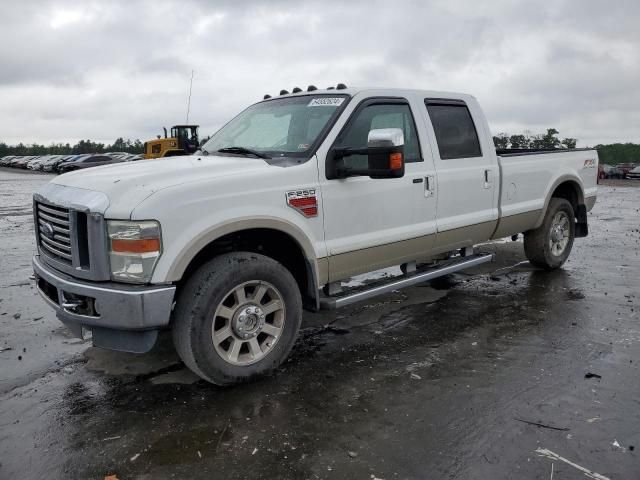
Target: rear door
x: 467, y: 173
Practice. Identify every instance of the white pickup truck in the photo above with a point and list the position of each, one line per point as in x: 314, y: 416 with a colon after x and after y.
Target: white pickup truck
x: 292, y: 196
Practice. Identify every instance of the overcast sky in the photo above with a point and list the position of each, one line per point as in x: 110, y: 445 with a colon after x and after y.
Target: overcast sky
x: 104, y: 69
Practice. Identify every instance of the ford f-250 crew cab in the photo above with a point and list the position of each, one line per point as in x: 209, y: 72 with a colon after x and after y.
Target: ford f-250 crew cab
x: 295, y: 194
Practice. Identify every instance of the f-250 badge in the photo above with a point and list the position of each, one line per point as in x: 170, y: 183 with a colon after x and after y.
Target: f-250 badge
x: 304, y: 201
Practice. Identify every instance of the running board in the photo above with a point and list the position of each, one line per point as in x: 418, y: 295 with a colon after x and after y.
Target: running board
x: 337, y: 301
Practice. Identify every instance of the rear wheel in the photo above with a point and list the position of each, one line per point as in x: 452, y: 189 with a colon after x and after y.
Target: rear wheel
x: 237, y: 317
x: 549, y: 245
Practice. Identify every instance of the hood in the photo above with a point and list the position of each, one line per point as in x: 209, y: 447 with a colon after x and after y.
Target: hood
x: 129, y: 183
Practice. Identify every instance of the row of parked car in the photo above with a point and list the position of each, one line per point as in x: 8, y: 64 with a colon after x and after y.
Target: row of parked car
x: 66, y: 163
x: 622, y: 170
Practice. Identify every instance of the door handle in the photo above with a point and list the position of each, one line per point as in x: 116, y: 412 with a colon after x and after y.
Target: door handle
x: 488, y: 181
x: 429, y: 185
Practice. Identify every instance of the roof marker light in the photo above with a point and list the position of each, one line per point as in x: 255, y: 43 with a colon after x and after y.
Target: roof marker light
x: 284, y: 92
x: 311, y: 88
x: 266, y: 96
x: 341, y: 86
x: 296, y: 90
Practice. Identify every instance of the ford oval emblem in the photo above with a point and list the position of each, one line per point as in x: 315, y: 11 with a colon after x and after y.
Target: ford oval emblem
x: 47, y: 229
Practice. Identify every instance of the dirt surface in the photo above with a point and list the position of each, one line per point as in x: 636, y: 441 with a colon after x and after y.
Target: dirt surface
x: 505, y: 372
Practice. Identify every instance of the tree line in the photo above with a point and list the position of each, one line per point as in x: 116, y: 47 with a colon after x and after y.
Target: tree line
x: 83, y: 146
x: 616, y: 153
x: 611, y: 154
x: 548, y: 140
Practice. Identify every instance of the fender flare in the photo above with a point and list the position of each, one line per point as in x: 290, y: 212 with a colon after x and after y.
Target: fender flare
x: 188, y: 253
x: 559, y: 181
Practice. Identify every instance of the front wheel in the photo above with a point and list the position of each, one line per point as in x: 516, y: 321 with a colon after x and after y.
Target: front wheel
x: 237, y: 317
x: 549, y: 245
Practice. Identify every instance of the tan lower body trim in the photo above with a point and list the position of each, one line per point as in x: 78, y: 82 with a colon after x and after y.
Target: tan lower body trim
x: 348, y: 264
x: 419, y: 249
x: 518, y: 223
x: 463, y: 236
x: 425, y: 248
x: 323, y: 270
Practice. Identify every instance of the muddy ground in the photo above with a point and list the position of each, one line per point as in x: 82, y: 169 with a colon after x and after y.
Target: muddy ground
x: 504, y: 372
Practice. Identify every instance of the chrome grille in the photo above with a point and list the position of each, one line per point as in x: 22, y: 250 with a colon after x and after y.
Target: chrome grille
x: 54, y: 235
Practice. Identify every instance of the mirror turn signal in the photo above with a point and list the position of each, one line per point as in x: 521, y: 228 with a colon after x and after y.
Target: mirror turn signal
x: 396, y: 162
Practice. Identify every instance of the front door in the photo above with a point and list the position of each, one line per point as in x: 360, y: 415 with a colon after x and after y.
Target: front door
x: 374, y: 223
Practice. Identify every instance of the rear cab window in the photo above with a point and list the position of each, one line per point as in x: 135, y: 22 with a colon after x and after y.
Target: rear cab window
x: 455, y: 131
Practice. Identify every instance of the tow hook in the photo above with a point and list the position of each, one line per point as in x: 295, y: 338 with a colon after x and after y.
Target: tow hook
x: 72, y: 305
x: 78, y: 304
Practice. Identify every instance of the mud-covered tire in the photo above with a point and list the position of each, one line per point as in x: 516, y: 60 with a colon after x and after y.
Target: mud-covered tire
x: 204, y: 308
x: 542, y: 245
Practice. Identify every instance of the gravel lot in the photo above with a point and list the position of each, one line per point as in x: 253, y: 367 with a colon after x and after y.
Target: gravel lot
x: 504, y: 372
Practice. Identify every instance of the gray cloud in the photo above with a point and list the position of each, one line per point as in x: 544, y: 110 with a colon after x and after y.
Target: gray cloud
x: 103, y: 69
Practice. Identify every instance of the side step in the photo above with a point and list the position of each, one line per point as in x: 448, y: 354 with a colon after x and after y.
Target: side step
x: 461, y: 263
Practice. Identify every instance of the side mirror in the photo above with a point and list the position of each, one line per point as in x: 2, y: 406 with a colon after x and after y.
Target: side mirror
x: 385, y: 156
x: 386, y: 153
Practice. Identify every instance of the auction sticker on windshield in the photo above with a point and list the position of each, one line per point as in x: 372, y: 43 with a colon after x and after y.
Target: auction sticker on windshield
x: 326, y: 102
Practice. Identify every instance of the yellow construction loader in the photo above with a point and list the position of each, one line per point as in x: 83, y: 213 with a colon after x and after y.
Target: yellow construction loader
x: 183, y: 141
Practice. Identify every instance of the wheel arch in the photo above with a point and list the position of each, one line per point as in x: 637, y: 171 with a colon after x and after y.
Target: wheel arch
x: 568, y: 187
x: 276, y: 239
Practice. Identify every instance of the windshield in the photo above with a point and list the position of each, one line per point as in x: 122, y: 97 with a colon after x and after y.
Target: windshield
x: 285, y: 127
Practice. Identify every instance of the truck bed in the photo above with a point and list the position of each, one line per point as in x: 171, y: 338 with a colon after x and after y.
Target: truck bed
x: 528, y: 175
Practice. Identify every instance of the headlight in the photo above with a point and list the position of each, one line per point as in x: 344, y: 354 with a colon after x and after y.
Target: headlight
x: 134, y: 249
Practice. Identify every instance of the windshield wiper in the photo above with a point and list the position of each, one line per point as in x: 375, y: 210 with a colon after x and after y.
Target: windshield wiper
x: 242, y: 150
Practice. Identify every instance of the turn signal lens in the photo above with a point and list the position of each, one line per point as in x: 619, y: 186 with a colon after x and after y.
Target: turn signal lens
x: 135, y: 246
x: 395, y: 161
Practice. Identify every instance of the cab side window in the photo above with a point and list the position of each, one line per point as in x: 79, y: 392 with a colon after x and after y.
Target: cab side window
x: 454, y: 128
x: 393, y: 115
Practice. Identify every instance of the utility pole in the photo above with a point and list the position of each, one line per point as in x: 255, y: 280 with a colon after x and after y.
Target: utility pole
x: 189, y: 101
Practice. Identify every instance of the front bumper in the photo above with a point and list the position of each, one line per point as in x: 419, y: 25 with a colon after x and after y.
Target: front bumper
x: 120, y: 317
